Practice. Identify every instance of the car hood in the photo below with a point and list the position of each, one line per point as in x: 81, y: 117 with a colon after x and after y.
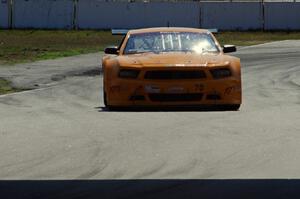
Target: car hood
x: 175, y: 59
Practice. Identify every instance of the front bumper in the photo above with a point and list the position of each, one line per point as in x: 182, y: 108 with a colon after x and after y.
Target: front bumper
x: 142, y: 92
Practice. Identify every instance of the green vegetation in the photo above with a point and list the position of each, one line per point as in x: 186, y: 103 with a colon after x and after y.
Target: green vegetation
x: 31, y: 45
x: 6, y: 88
x: 253, y: 38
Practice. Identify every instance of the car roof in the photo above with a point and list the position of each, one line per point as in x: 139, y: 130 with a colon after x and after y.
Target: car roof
x: 167, y: 29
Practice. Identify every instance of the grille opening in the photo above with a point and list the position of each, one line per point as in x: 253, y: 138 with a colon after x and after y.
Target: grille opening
x: 213, y: 97
x: 137, y: 97
x: 221, y: 73
x: 175, y: 74
x: 161, y: 97
x: 129, y: 73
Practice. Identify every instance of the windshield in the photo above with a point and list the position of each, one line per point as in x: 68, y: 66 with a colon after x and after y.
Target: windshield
x: 170, y: 42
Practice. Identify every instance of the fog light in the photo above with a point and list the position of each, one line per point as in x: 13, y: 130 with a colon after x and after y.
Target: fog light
x: 213, y: 97
x: 220, y: 73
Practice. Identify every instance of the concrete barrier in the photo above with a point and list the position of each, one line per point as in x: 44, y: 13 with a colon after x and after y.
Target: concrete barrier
x: 231, y: 16
x: 282, y: 16
x: 98, y: 14
x: 105, y: 15
x: 47, y: 14
x: 4, y: 14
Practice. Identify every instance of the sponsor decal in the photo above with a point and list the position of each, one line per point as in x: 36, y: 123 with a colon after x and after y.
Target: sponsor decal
x: 152, y: 89
x: 175, y: 89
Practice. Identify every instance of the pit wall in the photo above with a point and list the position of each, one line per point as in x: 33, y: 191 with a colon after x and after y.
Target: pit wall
x: 282, y: 16
x: 43, y: 14
x: 4, y: 14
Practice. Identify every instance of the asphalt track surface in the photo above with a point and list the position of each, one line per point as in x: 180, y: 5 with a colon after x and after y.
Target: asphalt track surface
x: 60, y: 131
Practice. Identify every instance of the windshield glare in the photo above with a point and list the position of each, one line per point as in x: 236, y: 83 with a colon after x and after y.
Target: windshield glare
x: 170, y: 42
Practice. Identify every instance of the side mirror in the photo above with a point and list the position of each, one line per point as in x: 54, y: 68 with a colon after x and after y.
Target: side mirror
x: 112, y: 50
x: 229, y: 48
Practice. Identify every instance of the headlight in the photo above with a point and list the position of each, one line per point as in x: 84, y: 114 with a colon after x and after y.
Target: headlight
x: 128, y: 73
x: 220, y: 73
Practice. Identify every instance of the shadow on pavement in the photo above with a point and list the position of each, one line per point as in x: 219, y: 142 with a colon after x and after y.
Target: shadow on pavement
x: 187, y: 189
x: 167, y: 109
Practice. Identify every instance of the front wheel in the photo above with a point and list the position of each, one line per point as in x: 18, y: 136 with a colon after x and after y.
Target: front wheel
x: 232, y: 107
x: 107, y: 107
x: 104, y: 99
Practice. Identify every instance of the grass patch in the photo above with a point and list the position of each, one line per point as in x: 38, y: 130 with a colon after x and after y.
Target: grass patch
x: 253, y: 38
x: 5, y: 87
x: 30, y: 45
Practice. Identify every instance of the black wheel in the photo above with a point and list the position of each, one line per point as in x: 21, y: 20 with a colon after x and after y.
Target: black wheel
x: 233, y: 107
x: 104, y: 99
x: 107, y: 107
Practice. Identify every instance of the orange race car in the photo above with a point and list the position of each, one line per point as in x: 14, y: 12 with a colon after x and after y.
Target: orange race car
x: 177, y: 67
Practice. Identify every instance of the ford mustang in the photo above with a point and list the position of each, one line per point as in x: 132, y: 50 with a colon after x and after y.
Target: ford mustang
x: 171, y: 67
